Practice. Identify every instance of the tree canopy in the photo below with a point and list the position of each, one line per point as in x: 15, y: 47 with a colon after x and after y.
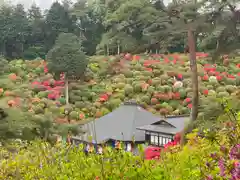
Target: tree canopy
x: 111, y: 27
x: 66, y: 56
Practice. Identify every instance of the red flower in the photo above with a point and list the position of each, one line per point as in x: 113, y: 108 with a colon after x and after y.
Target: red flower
x: 205, y: 78
x: 205, y: 92
x: 46, y: 83
x: 224, y: 73
x: 166, y: 60
x: 154, y: 101
x: 180, y: 76
x: 238, y: 65
x: 176, y: 95
x: 211, y: 73
x: 201, y: 55
x: 177, y: 137
x: 51, y: 96
x: 219, y: 78
x: 13, y: 76
x: 36, y: 83
x: 207, y: 65
x: 81, y: 116
x: 238, y: 74
x: 149, y: 69
x: 128, y: 56
x: 136, y: 57
x: 188, y: 100
x: 189, y: 106
x: 231, y: 76
x: 103, y: 97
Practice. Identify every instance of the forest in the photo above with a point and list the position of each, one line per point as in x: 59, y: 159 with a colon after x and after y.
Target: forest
x: 111, y: 27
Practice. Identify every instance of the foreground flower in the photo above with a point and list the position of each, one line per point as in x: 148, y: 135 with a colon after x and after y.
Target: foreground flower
x: 235, y: 152
x: 221, y: 166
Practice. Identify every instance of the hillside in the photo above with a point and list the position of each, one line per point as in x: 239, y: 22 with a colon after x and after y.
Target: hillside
x: 33, y: 100
x: 111, y: 80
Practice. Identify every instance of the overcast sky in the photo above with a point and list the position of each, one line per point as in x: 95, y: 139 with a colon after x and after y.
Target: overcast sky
x: 43, y: 4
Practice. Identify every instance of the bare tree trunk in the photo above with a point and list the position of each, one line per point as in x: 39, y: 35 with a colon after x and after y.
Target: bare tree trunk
x: 118, y: 49
x: 216, y: 53
x: 66, y: 90
x: 107, y: 50
x: 194, y: 77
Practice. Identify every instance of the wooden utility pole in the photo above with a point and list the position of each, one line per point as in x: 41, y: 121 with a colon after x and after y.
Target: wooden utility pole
x: 194, y: 73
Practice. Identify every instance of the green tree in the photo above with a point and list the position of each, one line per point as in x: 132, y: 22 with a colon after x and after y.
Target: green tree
x: 90, y: 16
x: 36, y: 35
x: 124, y: 21
x: 223, y: 35
x: 67, y: 57
x: 58, y: 20
x: 16, y: 41
x: 14, y: 30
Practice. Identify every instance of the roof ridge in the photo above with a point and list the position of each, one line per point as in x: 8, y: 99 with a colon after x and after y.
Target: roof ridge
x: 176, y: 116
x: 163, y: 120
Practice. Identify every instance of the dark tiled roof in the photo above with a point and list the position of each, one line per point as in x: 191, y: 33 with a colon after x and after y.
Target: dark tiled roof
x: 172, y: 125
x: 158, y: 128
x: 120, y: 124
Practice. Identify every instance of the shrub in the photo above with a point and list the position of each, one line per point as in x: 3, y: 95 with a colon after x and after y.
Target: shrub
x: 128, y: 73
x: 183, y: 93
x: 220, y: 89
x: 114, y: 103
x: 128, y: 89
x: 156, y: 81
x: 38, y: 109
x: 154, y: 101
x: 120, y: 85
x: 230, y: 81
x: 147, y: 73
x: 54, y: 109
x: 145, y: 99
x: 138, y: 88
x: 42, y: 94
x: 157, y: 72
x: 74, y: 115
x: 223, y: 94
x: 230, y: 88
x: 62, y: 101
x: 79, y: 104
x: 166, y: 88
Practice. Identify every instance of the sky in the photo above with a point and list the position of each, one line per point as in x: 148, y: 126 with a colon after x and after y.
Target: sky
x: 43, y: 4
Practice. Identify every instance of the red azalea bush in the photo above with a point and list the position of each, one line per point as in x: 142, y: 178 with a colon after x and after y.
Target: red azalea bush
x: 53, y: 86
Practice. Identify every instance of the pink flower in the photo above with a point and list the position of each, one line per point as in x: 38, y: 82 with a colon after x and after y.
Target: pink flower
x: 103, y: 97
x: 219, y: 78
x: 205, y: 92
x: 36, y: 83
x: 149, y: 69
x: 46, y: 83
x: 180, y: 76
x: 189, y: 106
x: 205, y: 78
x: 231, y: 76
x: 188, y: 100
